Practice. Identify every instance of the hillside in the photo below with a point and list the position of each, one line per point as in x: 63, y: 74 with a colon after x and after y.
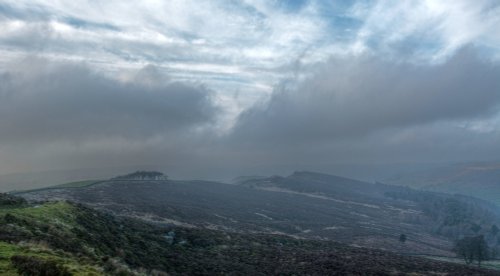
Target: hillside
x: 302, y: 205
x: 62, y: 238
x: 43, y: 179
x: 481, y: 180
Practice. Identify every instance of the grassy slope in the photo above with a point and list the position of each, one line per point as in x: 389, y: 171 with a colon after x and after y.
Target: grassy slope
x: 61, y: 216
x: 74, y: 265
x: 83, y: 240
x: 60, y: 213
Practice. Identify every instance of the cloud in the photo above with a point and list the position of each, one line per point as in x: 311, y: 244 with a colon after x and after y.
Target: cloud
x: 426, y: 30
x: 358, y: 96
x: 361, y: 109
x: 44, y: 101
x: 176, y: 82
x: 254, y: 36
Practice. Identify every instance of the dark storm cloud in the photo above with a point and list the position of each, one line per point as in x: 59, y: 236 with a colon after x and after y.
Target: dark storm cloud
x: 44, y: 101
x: 355, y: 97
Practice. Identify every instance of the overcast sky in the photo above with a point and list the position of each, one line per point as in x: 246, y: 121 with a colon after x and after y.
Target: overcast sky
x: 220, y: 88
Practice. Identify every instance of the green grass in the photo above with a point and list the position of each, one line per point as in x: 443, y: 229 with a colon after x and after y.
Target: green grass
x: 75, y: 266
x: 7, y: 251
x: 58, y: 214
x: 55, y: 213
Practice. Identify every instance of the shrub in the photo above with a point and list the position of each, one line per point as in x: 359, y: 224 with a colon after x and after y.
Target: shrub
x: 402, y: 238
x: 29, y: 265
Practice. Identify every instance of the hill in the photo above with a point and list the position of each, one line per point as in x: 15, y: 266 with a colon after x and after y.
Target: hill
x: 62, y: 238
x: 481, y: 180
x: 302, y: 205
x: 43, y: 179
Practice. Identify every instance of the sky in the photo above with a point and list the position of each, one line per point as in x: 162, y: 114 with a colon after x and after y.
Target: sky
x: 212, y: 89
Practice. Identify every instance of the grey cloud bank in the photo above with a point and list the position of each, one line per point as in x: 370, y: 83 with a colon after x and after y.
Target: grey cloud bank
x: 367, y: 111
x: 355, y: 96
x: 352, y: 110
x: 355, y: 110
x: 50, y: 111
x: 43, y: 101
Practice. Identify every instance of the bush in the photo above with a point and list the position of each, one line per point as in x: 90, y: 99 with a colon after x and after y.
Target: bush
x: 402, y: 238
x: 10, y: 200
x: 29, y: 265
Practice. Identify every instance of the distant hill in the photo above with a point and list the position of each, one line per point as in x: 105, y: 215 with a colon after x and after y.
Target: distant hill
x: 302, y: 205
x: 36, y: 180
x: 61, y: 238
x: 480, y: 180
x: 241, y: 179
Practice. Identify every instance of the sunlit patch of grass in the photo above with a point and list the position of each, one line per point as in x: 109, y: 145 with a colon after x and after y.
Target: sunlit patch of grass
x: 7, y: 251
x: 55, y: 213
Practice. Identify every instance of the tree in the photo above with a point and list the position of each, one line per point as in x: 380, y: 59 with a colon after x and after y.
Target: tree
x: 472, y: 249
x: 143, y: 175
x: 402, y: 238
x: 494, y: 230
